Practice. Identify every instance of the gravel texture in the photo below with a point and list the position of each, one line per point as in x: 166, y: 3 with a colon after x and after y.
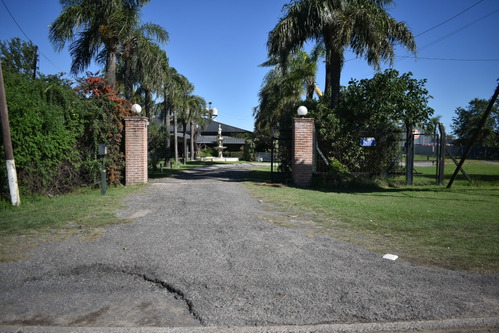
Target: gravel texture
x: 200, y: 252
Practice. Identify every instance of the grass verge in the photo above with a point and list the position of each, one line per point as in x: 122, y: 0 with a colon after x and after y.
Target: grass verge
x: 454, y: 228
x: 83, y: 213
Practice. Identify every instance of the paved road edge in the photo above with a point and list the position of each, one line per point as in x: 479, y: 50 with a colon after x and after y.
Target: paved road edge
x: 469, y: 324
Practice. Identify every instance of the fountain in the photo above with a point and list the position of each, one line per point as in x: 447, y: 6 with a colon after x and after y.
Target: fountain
x: 220, y: 148
x: 220, y: 157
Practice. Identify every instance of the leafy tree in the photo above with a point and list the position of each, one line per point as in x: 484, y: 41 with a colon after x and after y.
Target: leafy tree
x: 379, y: 107
x: 18, y: 56
x: 467, y: 120
x: 363, y: 26
x: 95, y: 29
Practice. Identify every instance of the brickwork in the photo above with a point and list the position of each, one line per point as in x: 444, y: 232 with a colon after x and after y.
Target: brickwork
x: 303, y: 141
x: 136, y: 150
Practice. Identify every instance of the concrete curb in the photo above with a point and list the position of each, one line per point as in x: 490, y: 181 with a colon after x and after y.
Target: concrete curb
x: 457, y: 325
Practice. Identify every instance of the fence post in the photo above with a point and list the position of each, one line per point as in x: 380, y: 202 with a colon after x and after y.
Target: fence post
x: 410, y: 154
x: 441, y: 153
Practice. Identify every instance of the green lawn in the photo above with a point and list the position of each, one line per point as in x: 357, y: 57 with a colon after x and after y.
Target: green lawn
x: 453, y: 228
x: 40, y: 219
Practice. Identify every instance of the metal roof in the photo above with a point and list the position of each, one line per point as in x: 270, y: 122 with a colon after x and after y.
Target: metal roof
x: 212, y: 127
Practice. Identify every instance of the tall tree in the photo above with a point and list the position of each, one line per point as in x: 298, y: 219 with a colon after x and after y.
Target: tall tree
x: 95, y: 29
x: 364, y: 26
x: 148, y: 69
x: 282, y: 88
x: 467, y: 120
x: 181, y: 88
x: 18, y: 56
x: 196, y: 107
x: 140, y: 57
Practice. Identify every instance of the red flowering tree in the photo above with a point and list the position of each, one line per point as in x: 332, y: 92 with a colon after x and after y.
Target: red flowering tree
x: 104, y: 124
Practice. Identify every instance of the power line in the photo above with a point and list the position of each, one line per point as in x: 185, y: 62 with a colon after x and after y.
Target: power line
x: 25, y: 35
x: 15, y: 21
x: 459, y: 29
x: 449, y: 59
x: 451, y: 18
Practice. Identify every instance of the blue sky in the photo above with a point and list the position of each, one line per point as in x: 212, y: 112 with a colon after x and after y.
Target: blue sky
x: 218, y: 45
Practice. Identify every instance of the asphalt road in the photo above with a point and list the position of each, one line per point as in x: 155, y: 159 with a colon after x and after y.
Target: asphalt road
x: 201, y: 252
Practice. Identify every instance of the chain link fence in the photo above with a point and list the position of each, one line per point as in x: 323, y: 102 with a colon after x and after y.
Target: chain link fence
x: 412, y: 157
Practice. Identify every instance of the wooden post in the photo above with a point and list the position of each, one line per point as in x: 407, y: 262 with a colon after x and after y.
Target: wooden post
x: 410, y: 154
x: 475, y: 136
x: 7, y: 143
x: 441, y: 153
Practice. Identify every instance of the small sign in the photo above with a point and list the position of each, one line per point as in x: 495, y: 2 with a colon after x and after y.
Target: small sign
x: 416, y: 133
x: 368, y: 142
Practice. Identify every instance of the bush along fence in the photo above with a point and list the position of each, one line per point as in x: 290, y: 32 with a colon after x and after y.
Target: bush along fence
x: 382, y: 155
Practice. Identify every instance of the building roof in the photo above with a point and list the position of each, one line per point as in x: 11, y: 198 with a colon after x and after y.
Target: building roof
x: 212, y: 126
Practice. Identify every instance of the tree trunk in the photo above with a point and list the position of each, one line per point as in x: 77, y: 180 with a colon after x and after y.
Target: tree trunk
x: 184, y: 141
x: 191, y: 140
x: 333, y: 68
x: 310, y: 88
x: 129, y: 85
x: 176, y: 145
x: 111, y: 68
x: 147, y: 102
x: 166, y: 111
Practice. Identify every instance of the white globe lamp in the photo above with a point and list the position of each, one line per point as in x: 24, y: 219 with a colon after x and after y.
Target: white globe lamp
x: 136, y: 108
x: 302, y: 111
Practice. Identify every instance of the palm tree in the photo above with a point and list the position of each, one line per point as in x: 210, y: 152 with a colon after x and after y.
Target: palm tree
x: 140, y: 55
x: 282, y: 88
x: 180, y: 89
x: 361, y: 25
x: 95, y: 29
x: 168, y: 86
x: 148, y: 70
x: 196, y: 107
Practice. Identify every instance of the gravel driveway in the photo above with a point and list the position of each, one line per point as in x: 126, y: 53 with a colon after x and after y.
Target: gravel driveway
x: 200, y: 252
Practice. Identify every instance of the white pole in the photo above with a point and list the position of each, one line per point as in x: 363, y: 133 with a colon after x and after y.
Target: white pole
x: 7, y: 143
x: 13, y: 187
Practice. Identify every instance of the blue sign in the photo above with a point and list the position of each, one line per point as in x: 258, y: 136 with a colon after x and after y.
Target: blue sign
x: 368, y: 142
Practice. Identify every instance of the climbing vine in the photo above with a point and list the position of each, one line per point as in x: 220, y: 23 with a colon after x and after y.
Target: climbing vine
x: 104, y: 124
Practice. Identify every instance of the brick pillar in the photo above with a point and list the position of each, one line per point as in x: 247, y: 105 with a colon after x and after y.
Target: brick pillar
x: 136, y: 150
x: 303, y: 141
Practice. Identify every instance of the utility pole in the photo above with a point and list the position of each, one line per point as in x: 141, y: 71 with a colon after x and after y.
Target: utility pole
x: 7, y: 143
x: 34, y: 62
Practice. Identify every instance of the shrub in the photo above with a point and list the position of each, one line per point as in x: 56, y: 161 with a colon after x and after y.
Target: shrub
x: 45, y: 121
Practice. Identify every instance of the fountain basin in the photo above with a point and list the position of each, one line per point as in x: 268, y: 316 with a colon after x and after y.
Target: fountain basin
x: 220, y: 159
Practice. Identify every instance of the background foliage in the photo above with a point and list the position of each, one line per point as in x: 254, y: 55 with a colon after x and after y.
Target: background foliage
x: 56, y: 128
